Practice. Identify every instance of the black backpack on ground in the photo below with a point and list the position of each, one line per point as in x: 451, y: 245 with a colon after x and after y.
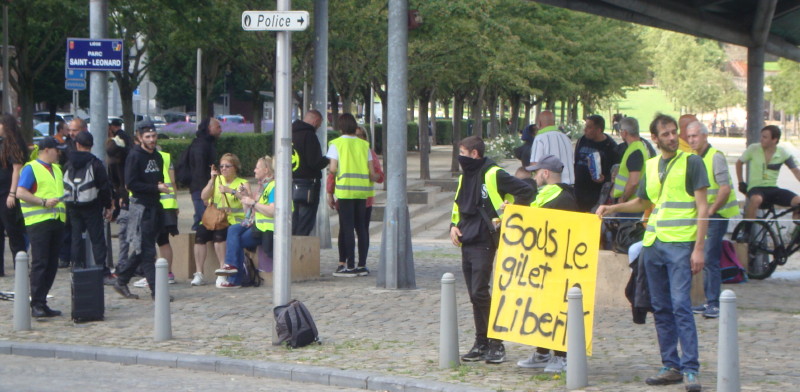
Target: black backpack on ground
x: 79, y: 185
x: 251, y: 276
x: 294, y: 324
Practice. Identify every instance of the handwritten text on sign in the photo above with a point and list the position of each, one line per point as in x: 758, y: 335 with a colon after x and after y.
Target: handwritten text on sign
x: 542, y: 254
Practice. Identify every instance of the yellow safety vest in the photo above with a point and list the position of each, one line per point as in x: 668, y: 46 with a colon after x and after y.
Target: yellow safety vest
x: 265, y: 223
x: 490, y: 185
x: 623, y: 173
x: 546, y: 194
x: 236, y: 210
x: 352, y: 177
x: 674, y: 218
x: 168, y: 200
x: 48, y: 186
x: 731, y: 207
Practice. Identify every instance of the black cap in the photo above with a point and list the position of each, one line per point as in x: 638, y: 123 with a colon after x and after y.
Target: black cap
x: 115, y: 122
x: 48, y: 142
x: 144, y: 125
x: 84, y: 138
x: 548, y: 162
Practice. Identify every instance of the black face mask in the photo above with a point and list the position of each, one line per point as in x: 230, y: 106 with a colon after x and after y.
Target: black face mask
x: 469, y: 164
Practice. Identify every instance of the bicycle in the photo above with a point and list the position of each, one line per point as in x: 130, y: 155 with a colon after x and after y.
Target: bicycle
x: 766, y: 246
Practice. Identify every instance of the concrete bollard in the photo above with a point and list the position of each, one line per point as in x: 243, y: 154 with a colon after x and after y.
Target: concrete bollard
x: 448, y: 327
x: 577, y: 367
x: 728, y: 345
x: 162, y: 320
x: 22, y: 292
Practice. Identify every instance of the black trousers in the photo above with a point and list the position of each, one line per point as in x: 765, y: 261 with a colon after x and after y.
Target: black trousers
x: 150, y: 227
x: 304, y: 216
x: 45, y: 239
x: 476, y: 263
x: 353, y: 219
x: 13, y: 226
x: 88, y: 219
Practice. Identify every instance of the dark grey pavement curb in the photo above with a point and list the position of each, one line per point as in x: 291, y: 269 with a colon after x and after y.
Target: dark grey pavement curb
x: 284, y: 371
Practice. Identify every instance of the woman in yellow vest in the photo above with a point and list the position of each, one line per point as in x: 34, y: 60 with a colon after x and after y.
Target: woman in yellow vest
x: 220, y: 190
x: 258, y: 223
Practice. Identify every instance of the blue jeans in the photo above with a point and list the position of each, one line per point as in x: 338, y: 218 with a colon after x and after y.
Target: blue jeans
x: 199, y: 209
x: 239, y: 239
x: 712, y: 279
x: 669, y: 276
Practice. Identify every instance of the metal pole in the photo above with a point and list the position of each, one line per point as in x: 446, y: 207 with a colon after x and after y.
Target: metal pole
x: 198, y: 99
x: 397, y: 262
x: 320, y: 102
x: 372, y: 115
x: 728, y: 345
x: 98, y: 93
x: 22, y: 289
x: 578, y: 374
x: 448, y: 324
x: 6, y: 64
x: 283, y: 171
x: 162, y: 328
x: 755, y: 93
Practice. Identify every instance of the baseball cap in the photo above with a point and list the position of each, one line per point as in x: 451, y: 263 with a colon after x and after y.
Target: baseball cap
x: 84, y: 139
x: 48, y: 142
x: 145, y: 124
x: 549, y: 162
x: 115, y: 122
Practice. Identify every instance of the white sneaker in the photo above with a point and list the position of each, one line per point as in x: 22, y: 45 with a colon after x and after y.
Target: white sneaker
x: 198, y: 279
x: 141, y: 283
x: 536, y: 360
x: 220, y: 281
x: 556, y: 365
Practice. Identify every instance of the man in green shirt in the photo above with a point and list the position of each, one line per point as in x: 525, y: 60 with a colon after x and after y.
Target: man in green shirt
x: 764, y: 161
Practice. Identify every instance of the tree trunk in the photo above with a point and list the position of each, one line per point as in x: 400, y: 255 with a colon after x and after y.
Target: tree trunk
x: 458, y: 113
x: 424, y: 146
x: 563, y: 104
x: 477, y: 113
x: 528, y: 106
x: 347, y: 104
x: 446, y: 105
x: 333, y: 98
x: 502, y: 114
x: 258, y: 110
x: 433, y: 117
x: 493, y: 125
x: 515, y: 103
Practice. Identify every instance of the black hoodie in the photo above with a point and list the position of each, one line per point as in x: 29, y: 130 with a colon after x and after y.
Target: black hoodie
x: 143, y: 172
x: 202, y: 153
x: 306, y: 144
x: 79, y: 159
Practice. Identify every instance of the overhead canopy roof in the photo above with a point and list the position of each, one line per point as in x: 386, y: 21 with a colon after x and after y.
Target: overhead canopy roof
x: 750, y: 23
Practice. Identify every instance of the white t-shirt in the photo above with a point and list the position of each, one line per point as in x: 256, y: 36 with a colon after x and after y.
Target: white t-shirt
x: 333, y: 153
x: 558, y: 144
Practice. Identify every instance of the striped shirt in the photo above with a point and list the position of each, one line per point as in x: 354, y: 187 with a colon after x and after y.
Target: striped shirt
x: 550, y: 140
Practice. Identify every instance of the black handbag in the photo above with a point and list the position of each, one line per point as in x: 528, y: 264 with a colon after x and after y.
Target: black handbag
x: 628, y: 233
x: 303, y: 190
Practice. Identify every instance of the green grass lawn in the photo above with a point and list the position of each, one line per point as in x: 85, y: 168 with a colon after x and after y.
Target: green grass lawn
x: 644, y: 103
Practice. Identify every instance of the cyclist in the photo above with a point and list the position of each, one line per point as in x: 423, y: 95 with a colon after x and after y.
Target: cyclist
x: 764, y: 160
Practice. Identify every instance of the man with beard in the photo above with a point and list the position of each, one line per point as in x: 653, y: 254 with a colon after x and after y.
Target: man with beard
x: 676, y: 183
x: 144, y: 178
x: 479, y: 200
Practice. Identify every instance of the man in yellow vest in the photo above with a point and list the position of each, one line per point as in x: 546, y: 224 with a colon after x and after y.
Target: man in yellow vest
x: 722, y: 205
x: 40, y: 189
x: 479, y: 202
x: 674, y: 248
x: 630, y: 168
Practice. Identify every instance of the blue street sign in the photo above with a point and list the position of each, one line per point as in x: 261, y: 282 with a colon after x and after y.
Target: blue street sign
x: 75, y: 84
x: 74, y: 73
x: 94, y: 54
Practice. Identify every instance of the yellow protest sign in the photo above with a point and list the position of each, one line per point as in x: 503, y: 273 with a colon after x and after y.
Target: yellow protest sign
x: 542, y: 254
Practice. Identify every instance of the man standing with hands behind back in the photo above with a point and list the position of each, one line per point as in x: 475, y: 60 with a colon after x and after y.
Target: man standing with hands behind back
x: 307, y: 165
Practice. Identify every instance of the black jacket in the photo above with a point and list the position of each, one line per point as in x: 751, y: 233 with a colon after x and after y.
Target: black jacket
x: 306, y: 145
x: 78, y: 160
x: 143, y: 172
x: 474, y: 229
x: 116, y: 155
x: 202, y: 153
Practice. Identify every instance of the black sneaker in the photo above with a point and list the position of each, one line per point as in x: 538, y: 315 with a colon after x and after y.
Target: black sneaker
x: 476, y: 353
x: 362, y: 271
x: 339, y: 269
x: 496, y: 353
x: 346, y: 273
x: 665, y: 376
x: 44, y: 311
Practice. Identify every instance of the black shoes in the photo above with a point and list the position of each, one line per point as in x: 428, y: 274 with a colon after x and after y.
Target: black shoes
x: 476, y: 353
x: 39, y: 311
x: 496, y: 352
x: 123, y: 290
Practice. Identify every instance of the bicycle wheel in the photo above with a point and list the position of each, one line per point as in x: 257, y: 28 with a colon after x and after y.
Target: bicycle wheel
x: 763, y: 249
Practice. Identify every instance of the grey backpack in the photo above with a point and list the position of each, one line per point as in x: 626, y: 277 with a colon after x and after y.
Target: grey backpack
x: 294, y: 324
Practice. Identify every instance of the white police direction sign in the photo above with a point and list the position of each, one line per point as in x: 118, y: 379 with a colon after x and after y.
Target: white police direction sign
x: 274, y: 20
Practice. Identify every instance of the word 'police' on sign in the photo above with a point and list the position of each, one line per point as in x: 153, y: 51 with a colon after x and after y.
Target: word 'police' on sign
x: 542, y: 254
x: 274, y: 20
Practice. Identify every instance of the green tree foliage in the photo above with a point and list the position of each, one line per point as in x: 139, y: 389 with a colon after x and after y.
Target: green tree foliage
x: 785, y: 87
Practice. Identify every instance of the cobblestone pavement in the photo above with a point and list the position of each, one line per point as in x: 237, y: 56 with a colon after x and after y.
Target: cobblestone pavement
x: 27, y: 374
x: 396, y: 332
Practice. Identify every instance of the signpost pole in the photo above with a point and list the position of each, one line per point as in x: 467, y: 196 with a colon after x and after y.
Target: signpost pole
x: 98, y: 93
x: 320, y: 93
x: 283, y: 172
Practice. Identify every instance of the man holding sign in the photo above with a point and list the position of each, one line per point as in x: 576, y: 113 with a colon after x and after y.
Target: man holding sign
x: 479, y: 203
x: 676, y: 183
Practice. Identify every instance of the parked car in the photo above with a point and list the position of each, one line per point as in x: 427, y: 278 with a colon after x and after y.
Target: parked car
x: 40, y: 117
x: 232, y: 118
x: 173, y: 117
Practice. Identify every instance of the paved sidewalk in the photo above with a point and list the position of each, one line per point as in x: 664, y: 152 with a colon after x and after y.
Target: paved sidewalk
x: 395, y: 332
